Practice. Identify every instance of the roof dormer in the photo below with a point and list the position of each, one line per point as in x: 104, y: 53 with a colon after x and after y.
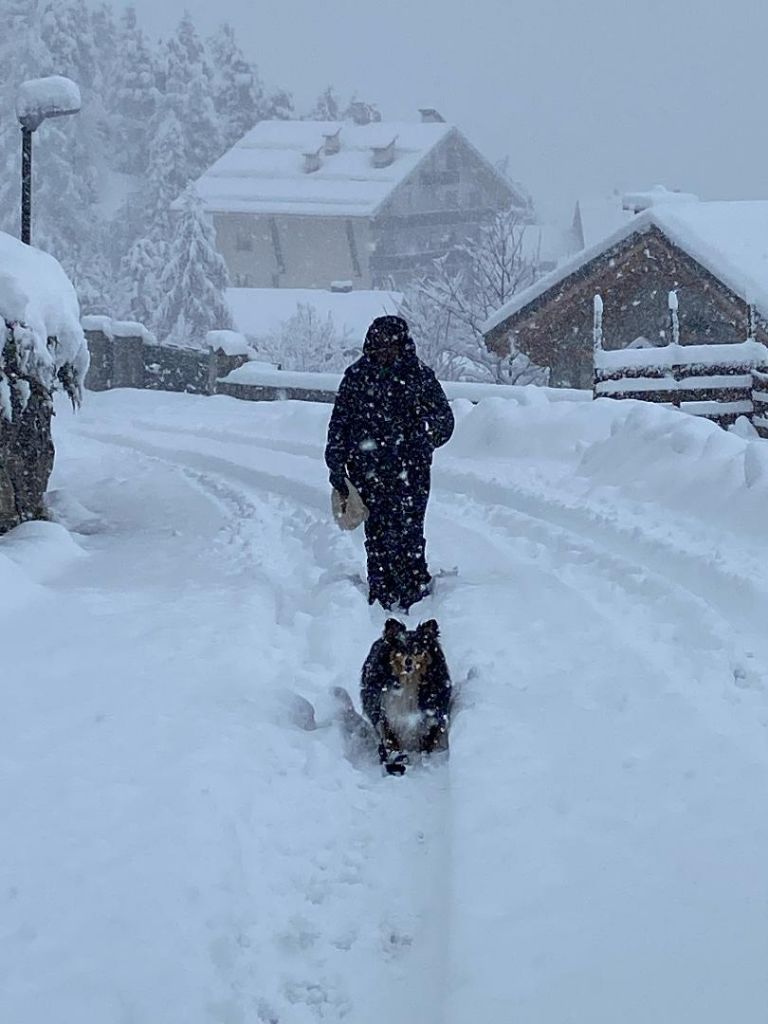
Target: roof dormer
x: 312, y: 161
x: 383, y: 156
x: 332, y: 144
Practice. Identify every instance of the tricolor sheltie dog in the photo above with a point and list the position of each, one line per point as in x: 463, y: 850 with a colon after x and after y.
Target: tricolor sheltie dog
x: 406, y: 693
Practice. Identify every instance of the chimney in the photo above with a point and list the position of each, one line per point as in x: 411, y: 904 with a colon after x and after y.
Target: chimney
x: 361, y: 112
x: 431, y: 116
x: 332, y: 142
x: 312, y: 161
x: 383, y: 156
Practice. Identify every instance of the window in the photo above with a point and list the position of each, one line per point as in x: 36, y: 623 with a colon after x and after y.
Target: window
x: 244, y: 240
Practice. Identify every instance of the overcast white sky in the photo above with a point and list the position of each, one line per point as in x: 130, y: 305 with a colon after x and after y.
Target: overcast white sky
x: 584, y: 95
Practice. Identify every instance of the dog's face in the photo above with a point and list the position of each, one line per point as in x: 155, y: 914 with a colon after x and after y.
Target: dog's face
x: 410, y: 652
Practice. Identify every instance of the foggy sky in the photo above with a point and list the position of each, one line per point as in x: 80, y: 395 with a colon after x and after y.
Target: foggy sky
x: 584, y: 96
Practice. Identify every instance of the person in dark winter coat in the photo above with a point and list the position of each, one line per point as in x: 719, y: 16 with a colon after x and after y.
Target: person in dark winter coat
x: 390, y: 415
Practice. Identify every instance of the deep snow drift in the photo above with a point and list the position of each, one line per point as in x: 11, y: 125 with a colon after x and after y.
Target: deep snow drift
x: 176, y: 848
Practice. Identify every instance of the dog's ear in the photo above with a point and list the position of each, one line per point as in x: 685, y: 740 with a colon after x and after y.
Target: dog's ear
x: 429, y: 629
x: 392, y: 630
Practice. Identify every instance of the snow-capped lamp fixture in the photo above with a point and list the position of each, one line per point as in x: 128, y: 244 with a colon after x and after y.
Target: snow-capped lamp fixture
x: 36, y: 101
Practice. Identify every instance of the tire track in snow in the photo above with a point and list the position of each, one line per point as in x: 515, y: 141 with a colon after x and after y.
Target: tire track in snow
x: 682, y: 627
x: 581, y: 717
x: 410, y: 937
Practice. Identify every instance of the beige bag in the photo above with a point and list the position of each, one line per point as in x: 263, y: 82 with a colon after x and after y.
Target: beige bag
x: 348, y: 512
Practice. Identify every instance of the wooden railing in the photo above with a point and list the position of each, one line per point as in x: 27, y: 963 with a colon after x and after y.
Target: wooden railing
x: 719, y: 382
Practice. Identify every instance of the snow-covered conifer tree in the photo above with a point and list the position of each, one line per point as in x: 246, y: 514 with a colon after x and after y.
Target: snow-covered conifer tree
x: 139, y: 297
x: 135, y: 95
x: 195, y: 278
x: 187, y: 83
x: 327, y: 106
x: 167, y: 176
x: 238, y: 93
x: 106, y: 49
x: 278, y: 106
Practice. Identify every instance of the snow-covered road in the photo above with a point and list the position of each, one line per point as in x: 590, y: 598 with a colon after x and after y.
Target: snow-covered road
x: 176, y: 850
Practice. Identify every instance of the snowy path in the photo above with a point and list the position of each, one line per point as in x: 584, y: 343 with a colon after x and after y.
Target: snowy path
x: 593, y: 852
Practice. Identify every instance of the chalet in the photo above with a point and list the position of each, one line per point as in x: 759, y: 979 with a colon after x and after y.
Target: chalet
x: 302, y: 204
x: 713, y: 254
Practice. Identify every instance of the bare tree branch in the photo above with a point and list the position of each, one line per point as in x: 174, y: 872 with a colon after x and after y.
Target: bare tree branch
x: 448, y: 307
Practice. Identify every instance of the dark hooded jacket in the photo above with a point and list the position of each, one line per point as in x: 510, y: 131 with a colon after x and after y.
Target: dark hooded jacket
x: 387, y: 420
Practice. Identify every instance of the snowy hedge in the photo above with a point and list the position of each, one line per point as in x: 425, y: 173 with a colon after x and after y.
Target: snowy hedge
x: 44, y: 340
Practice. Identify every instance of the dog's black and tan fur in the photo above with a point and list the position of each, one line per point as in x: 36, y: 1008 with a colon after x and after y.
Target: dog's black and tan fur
x: 406, y: 692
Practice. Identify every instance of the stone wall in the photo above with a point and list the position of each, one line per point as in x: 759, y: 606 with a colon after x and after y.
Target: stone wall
x: 273, y: 393
x: 129, y: 362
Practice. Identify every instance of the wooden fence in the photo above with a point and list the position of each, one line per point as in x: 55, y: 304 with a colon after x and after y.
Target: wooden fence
x: 718, y: 382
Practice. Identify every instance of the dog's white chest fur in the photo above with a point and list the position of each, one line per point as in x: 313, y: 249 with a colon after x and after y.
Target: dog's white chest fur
x: 401, y: 710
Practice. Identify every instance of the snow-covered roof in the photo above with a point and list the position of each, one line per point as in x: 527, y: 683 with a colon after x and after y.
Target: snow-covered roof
x: 548, y: 243
x: 636, y: 202
x: 259, y: 312
x: 729, y: 239
x: 35, y: 292
x: 596, y: 218
x: 264, y: 172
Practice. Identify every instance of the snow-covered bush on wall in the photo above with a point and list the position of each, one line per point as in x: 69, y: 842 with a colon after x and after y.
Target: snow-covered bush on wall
x: 42, y: 347
x: 310, y: 343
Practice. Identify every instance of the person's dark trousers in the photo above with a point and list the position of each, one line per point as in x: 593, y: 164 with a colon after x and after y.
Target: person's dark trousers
x: 395, y: 544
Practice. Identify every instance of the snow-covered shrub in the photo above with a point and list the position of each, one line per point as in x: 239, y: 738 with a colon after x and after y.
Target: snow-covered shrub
x: 309, y: 342
x: 448, y: 307
x: 43, y: 340
x: 42, y: 347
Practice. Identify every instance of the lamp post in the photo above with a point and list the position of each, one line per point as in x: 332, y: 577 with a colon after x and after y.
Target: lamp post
x: 37, y: 100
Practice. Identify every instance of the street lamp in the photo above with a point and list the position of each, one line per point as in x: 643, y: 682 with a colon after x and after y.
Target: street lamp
x: 36, y: 100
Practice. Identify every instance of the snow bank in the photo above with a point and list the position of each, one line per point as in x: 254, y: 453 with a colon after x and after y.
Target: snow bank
x: 31, y: 555
x: 685, y: 463
x: 38, y: 298
x: 40, y: 550
x: 642, y: 451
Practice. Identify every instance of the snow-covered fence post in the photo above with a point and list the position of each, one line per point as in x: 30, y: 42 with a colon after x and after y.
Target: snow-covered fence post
x: 674, y: 323
x: 597, y: 324
x: 597, y: 338
x: 751, y: 322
